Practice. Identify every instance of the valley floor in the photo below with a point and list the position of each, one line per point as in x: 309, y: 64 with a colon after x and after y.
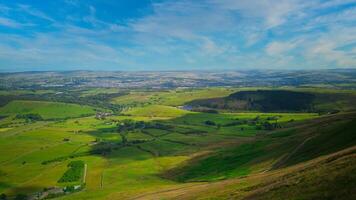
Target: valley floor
x: 158, y: 151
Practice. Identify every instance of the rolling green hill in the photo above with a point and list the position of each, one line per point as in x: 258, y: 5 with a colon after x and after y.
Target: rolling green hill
x: 158, y: 151
x: 47, y: 110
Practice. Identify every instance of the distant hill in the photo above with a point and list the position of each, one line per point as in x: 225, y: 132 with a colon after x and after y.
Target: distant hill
x: 261, y: 100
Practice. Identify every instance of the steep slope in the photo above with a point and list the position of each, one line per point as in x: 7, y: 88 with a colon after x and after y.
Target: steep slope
x: 271, y: 151
x: 316, y: 160
x: 327, y: 177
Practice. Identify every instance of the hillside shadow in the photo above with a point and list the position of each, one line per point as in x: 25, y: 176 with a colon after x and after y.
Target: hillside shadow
x: 22, y: 191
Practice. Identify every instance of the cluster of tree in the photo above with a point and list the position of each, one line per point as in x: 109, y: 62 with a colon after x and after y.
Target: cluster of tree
x: 126, y: 126
x: 103, y: 148
x: 17, y: 197
x: 205, y: 110
x: 130, y: 125
x: 3, y: 196
x: 210, y: 123
x: 29, y: 117
x: 235, y: 123
x: 266, y: 125
x: 261, y: 100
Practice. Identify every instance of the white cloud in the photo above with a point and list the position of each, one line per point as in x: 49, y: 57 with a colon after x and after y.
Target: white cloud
x: 4, y: 9
x: 270, y: 12
x: 278, y: 48
x: 72, y: 2
x: 333, y: 3
x: 206, y: 33
x: 345, y: 16
x: 47, y: 50
x: 34, y: 12
x: 328, y: 49
x: 183, y: 20
x: 9, y: 23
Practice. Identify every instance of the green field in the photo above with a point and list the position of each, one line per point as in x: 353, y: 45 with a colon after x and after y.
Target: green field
x: 47, y: 110
x: 171, y: 98
x: 155, y: 147
x: 156, y: 111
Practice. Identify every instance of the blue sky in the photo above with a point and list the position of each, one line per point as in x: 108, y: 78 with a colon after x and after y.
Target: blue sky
x: 177, y: 34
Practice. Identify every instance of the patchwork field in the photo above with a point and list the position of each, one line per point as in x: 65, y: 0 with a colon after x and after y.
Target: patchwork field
x: 158, y: 150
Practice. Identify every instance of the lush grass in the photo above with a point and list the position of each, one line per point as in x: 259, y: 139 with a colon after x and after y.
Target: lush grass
x: 137, y: 98
x: 333, y: 138
x: 36, y: 143
x: 262, y: 153
x: 157, y: 111
x: 21, y: 92
x: 47, y: 110
x: 96, y: 91
x: 331, y: 177
x: 124, y: 171
x: 221, y: 165
x: 172, y: 97
x: 180, y: 97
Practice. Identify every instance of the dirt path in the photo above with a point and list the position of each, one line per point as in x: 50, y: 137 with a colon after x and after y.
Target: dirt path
x: 286, y: 158
x: 85, y: 172
x: 314, y: 132
x: 102, y: 180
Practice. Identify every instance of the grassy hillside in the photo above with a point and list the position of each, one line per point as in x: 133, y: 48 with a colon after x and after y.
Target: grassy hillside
x: 275, y: 150
x: 47, y: 110
x: 328, y: 177
x: 331, y: 177
x: 307, y: 170
x: 334, y: 137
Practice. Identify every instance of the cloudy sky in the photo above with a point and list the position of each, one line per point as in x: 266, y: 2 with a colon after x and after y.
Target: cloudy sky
x: 177, y: 34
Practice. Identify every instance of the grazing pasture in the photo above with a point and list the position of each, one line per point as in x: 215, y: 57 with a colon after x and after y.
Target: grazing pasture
x: 172, y: 97
x: 155, y: 147
x: 47, y: 110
